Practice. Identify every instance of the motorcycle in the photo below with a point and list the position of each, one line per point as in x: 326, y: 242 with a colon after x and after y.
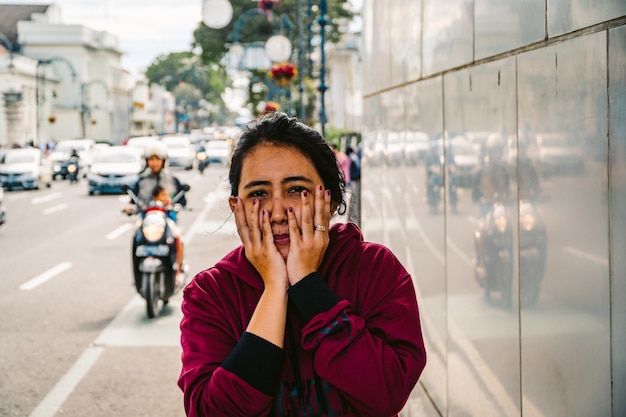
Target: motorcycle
x: 493, y: 262
x: 203, y: 160
x: 434, y: 183
x: 72, y: 170
x: 155, y: 253
x: 532, y: 252
x: 2, y: 210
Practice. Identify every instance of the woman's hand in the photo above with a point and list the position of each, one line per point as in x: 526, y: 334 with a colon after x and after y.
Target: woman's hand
x: 308, y: 245
x: 255, y: 232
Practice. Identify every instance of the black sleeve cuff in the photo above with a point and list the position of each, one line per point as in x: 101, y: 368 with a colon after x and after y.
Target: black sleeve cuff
x: 256, y: 361
x: 312, y: 296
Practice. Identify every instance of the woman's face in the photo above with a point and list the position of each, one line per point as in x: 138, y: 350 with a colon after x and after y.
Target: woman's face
x: 155, y: 164
x: 276, y: 175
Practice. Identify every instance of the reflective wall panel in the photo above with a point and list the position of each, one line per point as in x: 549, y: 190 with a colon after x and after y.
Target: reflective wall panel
x: 519, y: 23
x: 447, y: 38
x: 617, y: 134
x: 518, y: 257
x: 425, y: 228
x: 405, y: 30
x: 569, y: 15
x: 562, y: 108
x: 481, y: 241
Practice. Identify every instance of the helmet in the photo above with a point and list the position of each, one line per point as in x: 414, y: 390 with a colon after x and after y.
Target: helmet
x: 157, y: 149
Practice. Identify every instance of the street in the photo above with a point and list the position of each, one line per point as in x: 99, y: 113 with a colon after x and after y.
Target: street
x: 75, y: 337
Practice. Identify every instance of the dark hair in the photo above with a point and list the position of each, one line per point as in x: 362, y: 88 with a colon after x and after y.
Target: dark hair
x: 280, y: 129
x: 156, y: 190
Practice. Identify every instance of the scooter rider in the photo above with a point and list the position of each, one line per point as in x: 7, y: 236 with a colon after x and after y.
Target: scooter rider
x: 155, y: 174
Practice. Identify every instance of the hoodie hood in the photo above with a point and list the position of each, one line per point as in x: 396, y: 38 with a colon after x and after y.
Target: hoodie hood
x: 344, y: 238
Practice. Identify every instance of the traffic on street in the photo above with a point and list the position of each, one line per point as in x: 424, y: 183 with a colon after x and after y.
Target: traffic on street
x: 76, y: 337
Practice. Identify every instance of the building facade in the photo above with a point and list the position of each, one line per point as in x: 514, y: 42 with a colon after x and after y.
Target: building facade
x: 72, y: 82
x: 519, y: 259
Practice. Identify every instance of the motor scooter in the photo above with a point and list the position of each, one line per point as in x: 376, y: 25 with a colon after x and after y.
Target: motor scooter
x: 532, y: 251
x: 493, y: 261
x: 72, y: 170
x: 155, y: 252
x: 203, y: 160
x: 2, y: 210
x: 434, y: 183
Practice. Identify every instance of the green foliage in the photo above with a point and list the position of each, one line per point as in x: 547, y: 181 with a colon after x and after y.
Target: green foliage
x: 185, y: 67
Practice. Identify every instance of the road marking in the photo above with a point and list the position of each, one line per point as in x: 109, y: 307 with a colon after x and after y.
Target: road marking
x: 46, y: 198
x: 46, y: 276
x: 49, y: 406
x: 119, y: 231
x: 54, y: 209
x: 592, y: 258
x: 16, y: 196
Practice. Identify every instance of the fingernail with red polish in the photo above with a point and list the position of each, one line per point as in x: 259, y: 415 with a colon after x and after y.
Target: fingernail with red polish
x: 255, y: 201
x: 290, y: 209
x: 319, y: 187
x: 327, y: 193
x: 305, y: 193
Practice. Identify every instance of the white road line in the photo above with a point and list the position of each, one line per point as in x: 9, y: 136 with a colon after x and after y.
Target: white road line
x: 46, y: 276
x: 46, y: 198
x: 592, y: 258
x: 66, y: 385
x: 54, y: 209
x: 119, y: 231
x: 62, y: 390
x: 16, y: 196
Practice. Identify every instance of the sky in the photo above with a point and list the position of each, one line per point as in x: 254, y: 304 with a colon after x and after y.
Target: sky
x: 145, y: 29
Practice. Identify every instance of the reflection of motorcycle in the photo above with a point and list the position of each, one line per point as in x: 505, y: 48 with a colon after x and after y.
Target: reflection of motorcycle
x: 154, y: 254
x: 203, y: 160
x: 2, y: 211
x: 493, y: 264
x: 72, y: 170
x: 434, y: 182
x: 452, y: 183
x: 533, y: 252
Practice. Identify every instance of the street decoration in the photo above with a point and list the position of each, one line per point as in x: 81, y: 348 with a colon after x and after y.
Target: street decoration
x: 283, y: 73
x: 266, y: 7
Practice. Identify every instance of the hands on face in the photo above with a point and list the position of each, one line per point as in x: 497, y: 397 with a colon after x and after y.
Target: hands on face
x: 306, y: 245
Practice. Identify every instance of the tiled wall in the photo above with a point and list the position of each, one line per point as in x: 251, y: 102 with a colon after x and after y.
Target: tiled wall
x: 520, y: 261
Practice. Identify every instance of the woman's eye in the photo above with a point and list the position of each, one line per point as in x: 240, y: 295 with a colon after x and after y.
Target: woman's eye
x: 257, y: 194
x: 297, y: 189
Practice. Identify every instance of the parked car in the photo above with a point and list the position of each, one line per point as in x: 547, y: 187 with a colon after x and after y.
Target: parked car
x: 559, y: 153
x: 218, y: 151
x: 416, y: 147
x: 60, y: 156
x: 114, y: 168
x: 180, y: 151
x: 25, y: 168
x: 466, y: 160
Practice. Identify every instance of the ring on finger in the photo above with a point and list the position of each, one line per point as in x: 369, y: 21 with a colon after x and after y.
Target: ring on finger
x: 320, y: 228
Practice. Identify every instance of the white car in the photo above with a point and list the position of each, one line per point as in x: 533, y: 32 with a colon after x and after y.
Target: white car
x: 25, y: 168
x: 180, y: 151
x: 218, y: 151
x: 114, y: 168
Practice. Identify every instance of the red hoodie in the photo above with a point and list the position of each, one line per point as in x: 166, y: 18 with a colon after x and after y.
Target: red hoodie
x: 353, y: 343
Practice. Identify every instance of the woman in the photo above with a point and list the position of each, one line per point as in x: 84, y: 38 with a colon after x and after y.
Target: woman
x: 303, y: 319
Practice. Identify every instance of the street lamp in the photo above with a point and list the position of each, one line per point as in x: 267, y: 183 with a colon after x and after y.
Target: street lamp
x: 85, y: 108
x: 40, y: 99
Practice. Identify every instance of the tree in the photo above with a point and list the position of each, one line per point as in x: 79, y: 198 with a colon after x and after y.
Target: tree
x: 185, y: 67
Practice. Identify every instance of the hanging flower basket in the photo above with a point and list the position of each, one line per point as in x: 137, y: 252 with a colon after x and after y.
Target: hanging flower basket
x: 283, y: 73
x: 266, y: 5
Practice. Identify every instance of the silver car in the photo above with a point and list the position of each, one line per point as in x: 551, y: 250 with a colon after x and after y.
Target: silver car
x: 25, y: 168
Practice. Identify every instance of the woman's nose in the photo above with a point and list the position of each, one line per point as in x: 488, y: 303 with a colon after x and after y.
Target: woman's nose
x: 278, y: 210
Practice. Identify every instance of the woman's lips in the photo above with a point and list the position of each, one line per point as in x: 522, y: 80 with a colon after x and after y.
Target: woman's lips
x: 281, y: 239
